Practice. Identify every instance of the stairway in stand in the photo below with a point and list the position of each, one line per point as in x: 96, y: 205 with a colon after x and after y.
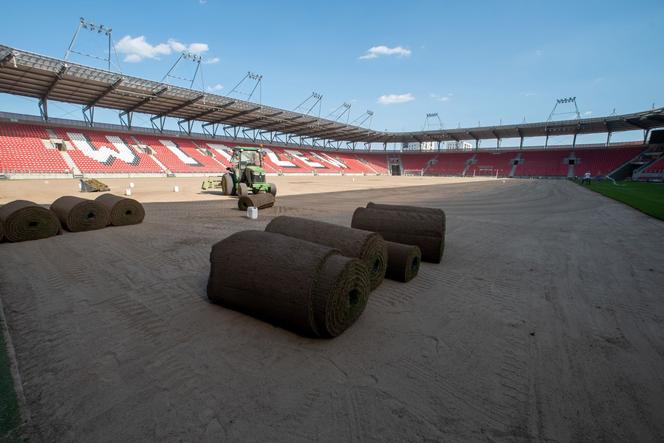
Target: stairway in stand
x: 74, y: 169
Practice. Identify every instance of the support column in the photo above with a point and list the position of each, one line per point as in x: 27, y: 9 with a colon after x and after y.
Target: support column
x: 608, y: 138
x: 43, y: 108
x: 521, y: 143
x: 574, y: 141
x: 546, y: 142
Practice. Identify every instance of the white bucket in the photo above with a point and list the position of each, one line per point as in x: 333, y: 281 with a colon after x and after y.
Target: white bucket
x: 176, y: 188
x: 252, y: 212
x: 128, y: 192
x: 131, y: 185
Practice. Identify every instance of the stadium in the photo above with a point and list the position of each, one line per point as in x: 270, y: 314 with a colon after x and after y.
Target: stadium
x: 535, y: 315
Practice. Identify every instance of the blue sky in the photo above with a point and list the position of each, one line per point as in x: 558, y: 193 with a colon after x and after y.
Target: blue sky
x: 470, y: 61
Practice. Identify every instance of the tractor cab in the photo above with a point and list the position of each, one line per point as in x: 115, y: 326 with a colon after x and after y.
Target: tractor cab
x: 249, y: 166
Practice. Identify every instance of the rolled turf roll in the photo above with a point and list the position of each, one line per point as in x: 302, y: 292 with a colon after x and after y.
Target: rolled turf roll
x: 122, y: 211
x: 340, y: 295
x: 24, y: 220
x: 261, y: 201
x: 408, y: 227
x: 403, y: 261
x: 79, y: 214
x: 433, y: 211
x: 302, y: 286
x: 367, y: 246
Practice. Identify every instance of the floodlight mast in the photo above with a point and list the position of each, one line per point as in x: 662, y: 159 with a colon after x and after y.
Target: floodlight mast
x: 161, y: 118
x: 305, y: 108
x: 185, y: 55
x: 257, y: 79
x: 339, y: 115
x: 437, y: 122
x: 314, y: 99
x: 359, y: 121
x: 562, y: 101
x: 99, y: 29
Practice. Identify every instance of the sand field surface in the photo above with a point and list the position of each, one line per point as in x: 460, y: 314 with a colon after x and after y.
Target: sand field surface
x: 544, y: 322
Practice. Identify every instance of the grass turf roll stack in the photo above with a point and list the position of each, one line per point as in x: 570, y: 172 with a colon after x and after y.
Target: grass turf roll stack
x: 367, y: 246
x: 403, y: 261
x: 79, y: 214
x: 261, y: 201
x: 23, y: 220
x: 418, y: 228
x: 122, y: 211
x: 302, y: 286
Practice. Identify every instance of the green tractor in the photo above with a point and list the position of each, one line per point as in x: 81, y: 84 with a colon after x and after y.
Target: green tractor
x: 246, y: 175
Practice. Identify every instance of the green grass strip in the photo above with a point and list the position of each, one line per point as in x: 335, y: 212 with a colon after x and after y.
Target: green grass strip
x: 645, y: 197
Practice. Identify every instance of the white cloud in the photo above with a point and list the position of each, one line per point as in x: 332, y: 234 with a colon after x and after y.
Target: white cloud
x: 211, y: 61
x: 217, y: 87
x: 136, y: 49
x: 376, y: 51
x: 529, y: 94
x: 198, y: 48
x: 176, y: 45
x: 390, y: 99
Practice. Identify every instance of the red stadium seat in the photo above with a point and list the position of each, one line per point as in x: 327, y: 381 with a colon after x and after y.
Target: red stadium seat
x: 25, y: 148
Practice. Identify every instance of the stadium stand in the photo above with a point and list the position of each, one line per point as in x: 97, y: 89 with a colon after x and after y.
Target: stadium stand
x: 543, y: 164
x: 181, y: 155
x: 449, y: 163
x: 29, y: 148
x: 105, y: 153
x: 656, y: 167
x: 355, y: 165
x: 23, y: 150
x: 416, y: 162
x: 602, y: 161
x: 377, y: 163
x: 492, y: 163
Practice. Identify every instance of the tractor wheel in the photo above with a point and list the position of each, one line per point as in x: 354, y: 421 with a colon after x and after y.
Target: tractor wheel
x: 242, y: 189
x: 273, y: 189
x: 227, y: 184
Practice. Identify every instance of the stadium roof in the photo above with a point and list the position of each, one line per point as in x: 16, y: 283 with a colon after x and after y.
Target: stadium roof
x: 32, y: 75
